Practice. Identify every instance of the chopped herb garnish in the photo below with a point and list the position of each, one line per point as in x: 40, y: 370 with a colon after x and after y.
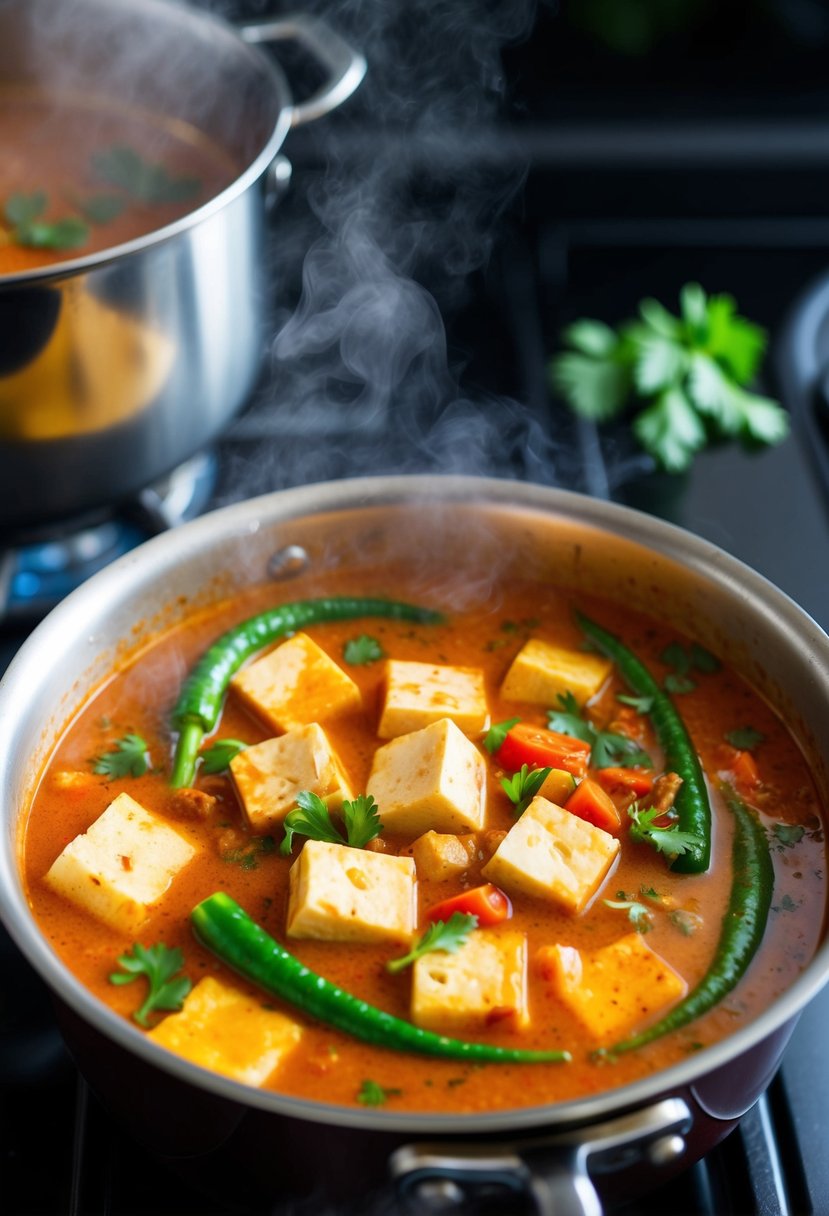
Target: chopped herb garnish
x: 217, y: 757
x: 638, y: 915
x: 745, y: 739
x: 129, y: 759
x: 146, y: 181
x: 523, y: 786
x: 687, y: 922
x: 495, y: 736
x: 372, y: 1094
x: 159, y: 966
x: 24, y: 213
x: 447, y: 936
x: 642, y: 705
x: 788, y: 834
x: 248, y: 857
x: 683, y: 662
x: 101, y: 208
x: 313, y: 819
x: 787, y: 904
x: 362, y: 650
x: 607, y: 749
x: 668, y: 840
x: 651, y: 894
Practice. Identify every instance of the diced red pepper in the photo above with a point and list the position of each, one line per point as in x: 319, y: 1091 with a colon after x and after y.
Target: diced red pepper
x: 590, y: 802
x: 488, y: 903
x: 636, y: 781
x: 741, y: 765
x: 540, y: 748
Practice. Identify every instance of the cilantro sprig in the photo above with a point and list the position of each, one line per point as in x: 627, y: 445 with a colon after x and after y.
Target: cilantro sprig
x: 447, y: 936
x: 638, y: 914
x: 683, y: 662
x: 668, y: 840
x: 523, y: 786
x: 24, y: 215
x: 745, y: 738
x: 217, y: 757
x: 607, y: 749
x: 494, y: 738
x: 362, y: 650
x: 312, y: 818
x: 371, y: 1093
x: 129, y: 759
x: 159, y: 965
x: 685, y: 377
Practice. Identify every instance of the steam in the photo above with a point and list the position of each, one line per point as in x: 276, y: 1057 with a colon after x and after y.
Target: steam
x: 404, y: 212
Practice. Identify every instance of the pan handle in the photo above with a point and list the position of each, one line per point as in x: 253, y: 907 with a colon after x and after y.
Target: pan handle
x: 345, y: 66
x: 551, y: 1172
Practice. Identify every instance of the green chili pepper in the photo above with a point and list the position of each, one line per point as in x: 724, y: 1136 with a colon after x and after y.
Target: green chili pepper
x: 691, y: 804
x: 227, y: 930
x: 200, y: 700
x: 752, y: 884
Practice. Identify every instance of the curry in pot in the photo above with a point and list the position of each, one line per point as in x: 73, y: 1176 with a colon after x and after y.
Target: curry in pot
x: 379, y: 850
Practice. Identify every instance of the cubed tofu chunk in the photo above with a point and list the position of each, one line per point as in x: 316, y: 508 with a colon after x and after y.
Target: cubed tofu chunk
x: 269, y: 775
x: 351, y: 895
x: 541, y: 672
x: 483, y: 982
x: 418, y: 694
x: 431, y: 778
x: 295, y: 684
x: 551, y: 854
x: 614, y: 990
x: 224, y: 1029
x: 438, y: 857
x: 121, y: 866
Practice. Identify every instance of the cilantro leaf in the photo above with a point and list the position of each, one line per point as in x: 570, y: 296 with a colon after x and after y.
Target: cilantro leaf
x: 362, y: 650
x: 248, y: 856
x: 22, y: 209
x: 687, y: 922
x: 101, y: 208
x: 638, y: 915
x: 159, y: 966
x: 24, y: 212
x: 594, y: 388
x: 674, y: 682
x: 373, y: 1094
x: 607, y: 748
x: 217, y: 757
x: 523, y: 786
x: 447, y: 936
x: 497, y: 733
x: 312, y: 819
x: 129, y: 759
x: 144, y: 181
x: 642, y: 705
x: 788, y: 834
x: 745, y: 739
x: 668, y: 840
x: 671, y: 430
x: 362, y: 821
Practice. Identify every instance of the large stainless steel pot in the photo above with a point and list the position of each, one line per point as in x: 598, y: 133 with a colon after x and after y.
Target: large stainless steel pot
x: 75, y: 431
x: 561, y: 1154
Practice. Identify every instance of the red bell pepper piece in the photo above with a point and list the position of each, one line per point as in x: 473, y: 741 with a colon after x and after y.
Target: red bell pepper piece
x: 590, y: 802
x: 540, y: 748
x: 636, y: 781
x: 488, y: 903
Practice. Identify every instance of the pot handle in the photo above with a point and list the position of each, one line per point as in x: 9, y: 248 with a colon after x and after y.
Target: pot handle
x: 345, y: 66
x: 551, y: 1171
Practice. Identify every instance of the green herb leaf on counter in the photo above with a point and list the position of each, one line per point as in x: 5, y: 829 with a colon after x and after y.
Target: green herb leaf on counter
x: 130, y: 759
x: 143, y: 180
x: 23, y: 212
x: 159, y: 966
x: 523, y: 786
x: 313, y: 819
x: 217, y: 757
x: 684, y: 377
x: 607, y: 749
x: 372, y: 1094
x: 668, y: 840
x: 362, y: 650
x: 495, y: 736
x: 745, y: 739
x: 447, y: 936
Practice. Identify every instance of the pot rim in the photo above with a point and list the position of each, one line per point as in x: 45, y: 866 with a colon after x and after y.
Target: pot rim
x: 162, y: 553
x: 220, y: 31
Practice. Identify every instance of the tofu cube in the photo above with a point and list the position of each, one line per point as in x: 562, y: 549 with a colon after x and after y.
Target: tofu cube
x: 295, y: 684
x: 228, y: 1031
x: 341, y: 894
x: 268, y: 776
x: 438, y: 857
x: 417, y: 694
x: 551, y: 854
x: 541, y: 672
x: 483, y: 982
x: 121, y: 866
x: 614, y: 990
x: 431, y: 778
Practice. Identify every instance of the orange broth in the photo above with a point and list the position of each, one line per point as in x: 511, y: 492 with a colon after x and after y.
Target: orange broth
x: 330, y: 1066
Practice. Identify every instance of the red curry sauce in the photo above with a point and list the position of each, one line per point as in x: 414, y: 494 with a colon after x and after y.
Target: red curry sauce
x: 331, y: 1067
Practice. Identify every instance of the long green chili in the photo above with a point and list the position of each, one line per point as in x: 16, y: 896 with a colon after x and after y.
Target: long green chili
x: 225, y: 928
x: 692, y: 805
x: 200, y: 700
x: 743, y: 925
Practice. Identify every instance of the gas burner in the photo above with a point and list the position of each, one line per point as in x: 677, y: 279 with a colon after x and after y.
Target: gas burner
x: 37, y: 575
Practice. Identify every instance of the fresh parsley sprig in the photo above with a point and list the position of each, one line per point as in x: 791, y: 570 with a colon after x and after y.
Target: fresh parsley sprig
x: 607, y: 749
x: 668, y: 840
x: 685, y: 375
x: 312, y: 818
x: 129, y: 759
x: 523, y: 786
x: 447, y: 936
x: 159, y: 965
